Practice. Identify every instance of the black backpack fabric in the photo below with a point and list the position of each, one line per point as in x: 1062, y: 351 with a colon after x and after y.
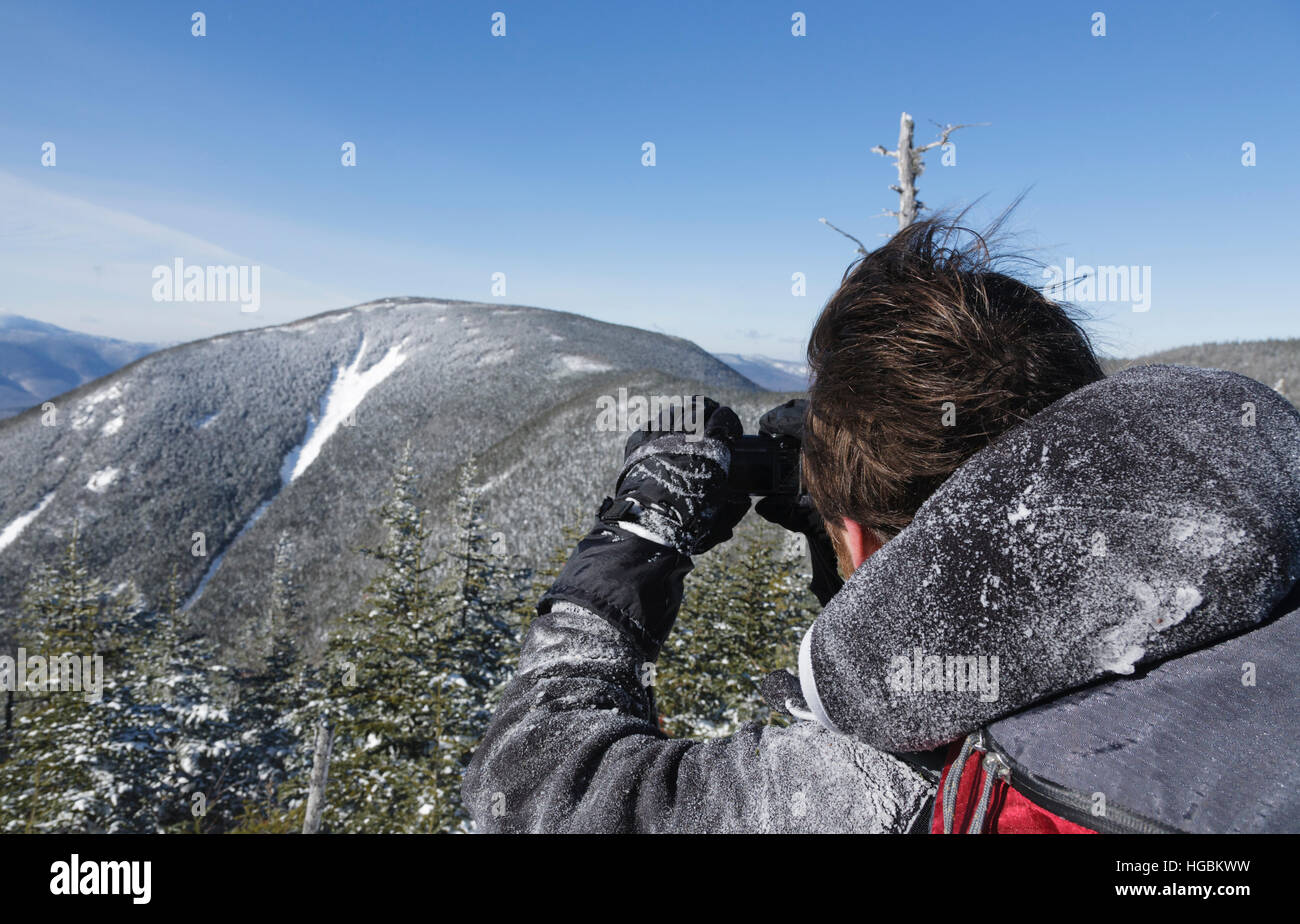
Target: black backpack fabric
x: 1202, y: 743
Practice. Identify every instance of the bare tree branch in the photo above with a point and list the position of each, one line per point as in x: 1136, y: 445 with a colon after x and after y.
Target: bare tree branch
x: 862, y: 248
x: 947, y: 130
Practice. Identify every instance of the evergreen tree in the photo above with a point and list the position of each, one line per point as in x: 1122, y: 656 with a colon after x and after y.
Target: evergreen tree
x: 270, y: 695
x: 744, y: 611
x: 49, y: 782
x: 133, y: 754
x: 175, y: 732
x: 485, y: 599
x: 387, y: 676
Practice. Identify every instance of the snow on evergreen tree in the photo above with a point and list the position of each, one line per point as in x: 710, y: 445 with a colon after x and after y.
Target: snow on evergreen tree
x: 51, y: 783
x: 131, y: 730
x: 485, y: 598
x: 121, y: 763
x: 743, y: 615
x: 387, y: 677
x: 270, y: 696
x: 176, y: 728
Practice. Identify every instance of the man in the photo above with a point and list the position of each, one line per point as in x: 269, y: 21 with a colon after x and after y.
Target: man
x: 1055, y: 575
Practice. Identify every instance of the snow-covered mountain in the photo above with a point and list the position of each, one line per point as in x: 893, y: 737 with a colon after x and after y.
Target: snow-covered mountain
x: 294, y: 429
x: 772, y: 374
x: 39, y: 360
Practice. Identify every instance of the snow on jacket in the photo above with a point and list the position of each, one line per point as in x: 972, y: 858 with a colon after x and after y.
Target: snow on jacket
x: 575, y: 747
x: 1070, y: 590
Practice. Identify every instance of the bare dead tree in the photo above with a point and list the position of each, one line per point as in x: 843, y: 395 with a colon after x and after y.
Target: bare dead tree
x: 911, y: 164
x: 320, y: 771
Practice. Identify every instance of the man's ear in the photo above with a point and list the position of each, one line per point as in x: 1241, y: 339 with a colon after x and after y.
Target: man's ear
x: 860, y: 542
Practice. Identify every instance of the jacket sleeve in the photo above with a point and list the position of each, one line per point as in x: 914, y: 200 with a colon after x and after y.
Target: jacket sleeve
x: 575, y: 745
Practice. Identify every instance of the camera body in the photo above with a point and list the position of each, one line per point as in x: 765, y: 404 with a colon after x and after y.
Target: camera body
x: 764, y: 465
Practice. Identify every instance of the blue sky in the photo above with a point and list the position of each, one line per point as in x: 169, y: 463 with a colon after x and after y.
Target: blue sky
x: 522, y: 155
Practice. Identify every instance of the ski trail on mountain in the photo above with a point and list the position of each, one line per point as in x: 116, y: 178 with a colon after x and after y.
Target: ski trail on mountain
x: 345, y: 393
x: 216, y: 562
x: 19, y: 523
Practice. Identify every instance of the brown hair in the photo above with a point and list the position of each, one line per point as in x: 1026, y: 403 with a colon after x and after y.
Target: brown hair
x: 916, y: 324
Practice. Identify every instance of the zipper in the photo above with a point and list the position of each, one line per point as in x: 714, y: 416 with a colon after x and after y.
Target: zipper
x: 1061, y: 800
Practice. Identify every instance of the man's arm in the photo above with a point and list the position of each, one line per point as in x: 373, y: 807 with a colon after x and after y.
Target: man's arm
x: 575, y: 747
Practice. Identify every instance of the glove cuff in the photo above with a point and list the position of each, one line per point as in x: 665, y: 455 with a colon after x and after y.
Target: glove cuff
x: 645, y: 519
x: 630, y: 581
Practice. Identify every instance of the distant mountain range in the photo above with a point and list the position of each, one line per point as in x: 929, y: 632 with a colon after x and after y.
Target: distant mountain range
x: 1273, y: 362
x: 772, y: 374
x: 39, y: 360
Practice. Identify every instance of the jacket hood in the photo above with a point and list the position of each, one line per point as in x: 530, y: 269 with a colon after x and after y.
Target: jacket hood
x: 1144, y: 516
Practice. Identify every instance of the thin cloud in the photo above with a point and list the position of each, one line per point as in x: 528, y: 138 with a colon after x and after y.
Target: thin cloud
x: 60, y: 254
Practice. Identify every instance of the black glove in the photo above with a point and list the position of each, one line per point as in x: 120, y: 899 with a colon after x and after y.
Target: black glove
x: 796, y: 512
x: 674, y: 483
x: 673, y: 488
